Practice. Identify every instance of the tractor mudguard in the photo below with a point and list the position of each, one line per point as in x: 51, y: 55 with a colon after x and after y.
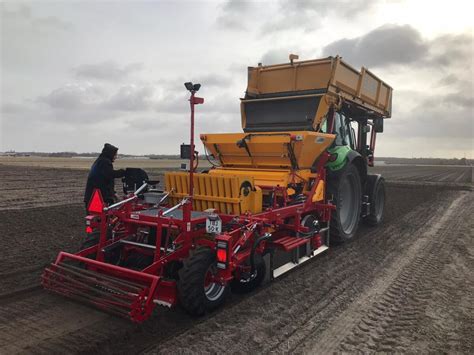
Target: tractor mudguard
x: 346, y: 154
x: 341, y: 152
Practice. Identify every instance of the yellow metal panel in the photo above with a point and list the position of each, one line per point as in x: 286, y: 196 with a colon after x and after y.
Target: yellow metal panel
x: 346, y: 78
x: 368, y: 90
x: 313, y: 76
x: 277, y: 80
x: 319, y: 193
x: 202, y: 191
x: 228, y: 188
x: 260, y: 177
x: 268, y: 149
x: 331, y: 74
x: 221, y: 192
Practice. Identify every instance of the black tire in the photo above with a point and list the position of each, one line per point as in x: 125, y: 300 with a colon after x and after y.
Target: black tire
x: 346, y: 191
x: 375, y: 189
x: 195, y: 296
x: 90, y: 240
x: 137, y: 261
x: 245, y: 286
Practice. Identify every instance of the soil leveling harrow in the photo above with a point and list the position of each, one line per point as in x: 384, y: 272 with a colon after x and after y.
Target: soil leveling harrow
x: 275, y: 196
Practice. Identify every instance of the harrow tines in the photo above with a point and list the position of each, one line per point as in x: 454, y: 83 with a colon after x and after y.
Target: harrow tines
x: 117, y: 296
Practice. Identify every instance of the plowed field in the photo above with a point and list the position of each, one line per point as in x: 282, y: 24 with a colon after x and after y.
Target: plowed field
x: 405, y: 286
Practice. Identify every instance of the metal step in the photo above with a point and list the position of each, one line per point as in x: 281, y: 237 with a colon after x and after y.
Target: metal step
x: 291, y: 265
x: 289, y: 243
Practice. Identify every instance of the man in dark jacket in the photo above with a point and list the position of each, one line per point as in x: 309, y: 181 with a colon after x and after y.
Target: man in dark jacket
x: 102, y: 175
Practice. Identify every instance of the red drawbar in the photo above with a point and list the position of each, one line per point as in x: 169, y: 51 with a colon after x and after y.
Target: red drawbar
x: 97, y: 203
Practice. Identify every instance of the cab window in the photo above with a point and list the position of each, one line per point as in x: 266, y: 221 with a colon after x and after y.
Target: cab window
x: 344, y: 132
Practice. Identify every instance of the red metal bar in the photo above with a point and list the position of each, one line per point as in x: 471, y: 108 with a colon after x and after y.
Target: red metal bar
x: 373, y: 137
x: 191, y: 158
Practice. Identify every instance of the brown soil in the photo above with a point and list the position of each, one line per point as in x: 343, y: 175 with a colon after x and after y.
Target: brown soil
x: 430, y: 173
x: 405, y: 286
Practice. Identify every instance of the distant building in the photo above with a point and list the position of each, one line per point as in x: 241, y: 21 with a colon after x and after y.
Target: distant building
x: 10, y: 153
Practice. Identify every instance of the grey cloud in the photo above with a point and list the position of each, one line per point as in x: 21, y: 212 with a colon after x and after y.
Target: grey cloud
x: 275, y: 56
x: 395, y: 44
x: 215, y: 80
x: 10, y: 107
x: 457, y: 100
x: 344, y: 8
x: 131, y: 98
x: 176, y: 102
x: 452, y: 49
x: 448, y: 80
x: 74, y: 96
x: 88, y: 96
x: 447, y: 117
x: 389, y: 44
x: 108, y: 70
x: 176, y: 85
x: 24, y: 16
x: 232, y: 14
x: 307, y: 15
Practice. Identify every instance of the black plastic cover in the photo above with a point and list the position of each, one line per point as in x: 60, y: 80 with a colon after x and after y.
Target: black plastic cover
x: 296, y: 114
x: 185, y: 151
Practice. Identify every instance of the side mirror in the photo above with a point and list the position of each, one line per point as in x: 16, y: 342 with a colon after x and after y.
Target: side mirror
x: 378, y: 125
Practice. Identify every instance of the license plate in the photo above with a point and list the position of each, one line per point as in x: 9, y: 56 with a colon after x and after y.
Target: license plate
x: 214, y: 225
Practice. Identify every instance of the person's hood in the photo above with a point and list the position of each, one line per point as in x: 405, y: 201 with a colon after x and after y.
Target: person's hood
x: 109, y: 151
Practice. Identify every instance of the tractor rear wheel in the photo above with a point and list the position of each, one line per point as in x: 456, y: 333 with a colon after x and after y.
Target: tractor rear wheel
x: 198, y: 291
x: 375, y: 189
x: 347, y: 196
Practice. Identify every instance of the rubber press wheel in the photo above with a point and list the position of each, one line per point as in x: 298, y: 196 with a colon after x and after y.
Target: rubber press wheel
x: 198, y: 292
x: 92, y: 239
x: 255, y: 280
x: 347, y: 196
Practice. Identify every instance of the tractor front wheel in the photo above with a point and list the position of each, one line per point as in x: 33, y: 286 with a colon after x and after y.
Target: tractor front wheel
x: 375, y: 189
x: 198, y: 291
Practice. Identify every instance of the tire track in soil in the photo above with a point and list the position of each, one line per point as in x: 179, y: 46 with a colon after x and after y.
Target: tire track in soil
x: 394, y: 322
x: 389, y: 308
x: 272, y: 319
x: 40, y: 318
x: 31, y: 239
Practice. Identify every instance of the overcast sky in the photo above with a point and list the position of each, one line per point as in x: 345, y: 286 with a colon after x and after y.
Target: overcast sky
x: 77, y: 74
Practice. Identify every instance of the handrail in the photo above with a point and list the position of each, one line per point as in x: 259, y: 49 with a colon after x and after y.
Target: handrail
x: 120, y: 203
x: 182, y: 203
